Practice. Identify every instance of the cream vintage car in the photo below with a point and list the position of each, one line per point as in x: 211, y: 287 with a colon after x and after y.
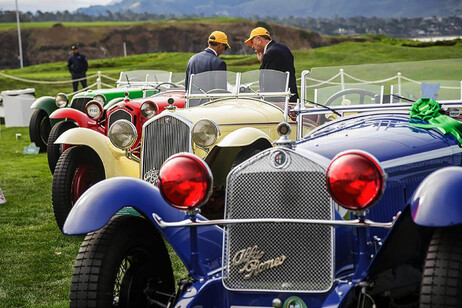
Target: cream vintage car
x: 228, y: 117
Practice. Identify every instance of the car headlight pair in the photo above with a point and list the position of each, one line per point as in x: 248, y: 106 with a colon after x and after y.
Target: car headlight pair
x: 205, y: 133
x: 123, y: 133
x: 61, y: 100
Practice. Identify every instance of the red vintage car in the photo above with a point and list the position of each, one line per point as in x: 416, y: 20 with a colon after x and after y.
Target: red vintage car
x: 100, y: 119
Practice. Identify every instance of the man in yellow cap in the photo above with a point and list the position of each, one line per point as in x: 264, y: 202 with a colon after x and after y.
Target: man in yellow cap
x: 273, y: 55
x: 207, y: 60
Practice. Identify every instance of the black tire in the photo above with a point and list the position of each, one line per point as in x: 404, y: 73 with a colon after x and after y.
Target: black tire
x: 78, y: 168
x: 101, y: 278
x: 39, y: 129
x: 442, y: 277
x: 54, y: 151
x: 243, y: 155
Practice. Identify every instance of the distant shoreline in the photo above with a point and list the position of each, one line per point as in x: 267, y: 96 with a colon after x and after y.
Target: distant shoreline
x: 436, y: 38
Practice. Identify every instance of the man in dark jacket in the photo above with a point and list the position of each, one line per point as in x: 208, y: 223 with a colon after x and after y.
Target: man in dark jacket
x: 274, y: 55
x: 207, y: 60
x: 77, y: 65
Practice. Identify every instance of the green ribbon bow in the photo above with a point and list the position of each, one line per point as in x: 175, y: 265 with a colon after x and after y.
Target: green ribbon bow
x: 428, y: 110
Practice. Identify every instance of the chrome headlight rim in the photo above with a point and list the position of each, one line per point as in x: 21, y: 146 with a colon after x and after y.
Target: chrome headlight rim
x: 100, y: 99
x: 199, y: 131
x: 123, y: 134
x: 61, y: 100
x: 145, y: 112
x: 89, y: 111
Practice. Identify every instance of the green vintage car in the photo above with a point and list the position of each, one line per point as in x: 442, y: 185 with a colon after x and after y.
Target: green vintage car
x: 139, y: 83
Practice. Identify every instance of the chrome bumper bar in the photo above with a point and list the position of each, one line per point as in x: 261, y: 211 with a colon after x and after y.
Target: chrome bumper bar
x: 225, y: 222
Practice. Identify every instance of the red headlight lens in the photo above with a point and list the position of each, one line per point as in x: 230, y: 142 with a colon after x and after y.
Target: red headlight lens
x: 185, y: 181
x: 355, y: 180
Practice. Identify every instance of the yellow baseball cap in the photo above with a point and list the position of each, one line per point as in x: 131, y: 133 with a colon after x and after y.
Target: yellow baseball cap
x: 219, y: 37
x: 256, y: 32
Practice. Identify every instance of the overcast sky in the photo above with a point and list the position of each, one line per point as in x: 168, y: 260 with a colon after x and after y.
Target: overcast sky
x: 49, y: 5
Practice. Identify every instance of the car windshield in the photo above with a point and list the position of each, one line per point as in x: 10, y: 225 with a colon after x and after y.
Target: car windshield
x: 178, y: 78
x: 143, y: 77
x: 338, y: 88
x: 269, y: 85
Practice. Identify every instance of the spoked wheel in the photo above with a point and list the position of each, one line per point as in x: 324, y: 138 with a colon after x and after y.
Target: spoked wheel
x: 54, y: 151
x: 124, y: 264
x: 442, y: 276
x: 39, y: 129
x: 77, y: 169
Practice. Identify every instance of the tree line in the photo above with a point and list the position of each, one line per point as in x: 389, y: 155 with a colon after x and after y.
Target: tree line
x: 394, y: 27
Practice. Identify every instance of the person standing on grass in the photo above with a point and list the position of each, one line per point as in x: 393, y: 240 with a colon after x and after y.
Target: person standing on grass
x: 77, y: 65
x: 273, y: 55
x: 207, y: 60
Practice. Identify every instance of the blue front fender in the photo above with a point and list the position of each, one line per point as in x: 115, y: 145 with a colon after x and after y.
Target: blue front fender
x: 437, y: 201
x: 100, y: 202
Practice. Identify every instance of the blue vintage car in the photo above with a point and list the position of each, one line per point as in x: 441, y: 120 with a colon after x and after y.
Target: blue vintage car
x: 361, y: 212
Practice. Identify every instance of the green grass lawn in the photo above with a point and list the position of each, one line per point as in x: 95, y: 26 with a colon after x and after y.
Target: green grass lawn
x: 36, y: 259
x: 346, y: 53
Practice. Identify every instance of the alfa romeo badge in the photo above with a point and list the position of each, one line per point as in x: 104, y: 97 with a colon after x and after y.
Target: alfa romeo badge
x: 279, y: 159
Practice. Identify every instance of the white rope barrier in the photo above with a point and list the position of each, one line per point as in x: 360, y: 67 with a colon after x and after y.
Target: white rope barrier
x: 418, y: 82
x: 45, y: 82
x: 82, y: 90
x: 107, y: 77
x: 106, y: 85
x: 321, y: 82
x: 369, y: 81
x: 361, y: 81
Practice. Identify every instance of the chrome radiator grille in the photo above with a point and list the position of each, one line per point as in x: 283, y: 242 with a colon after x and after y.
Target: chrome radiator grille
x: 163, y: 137
x: 119, y: 115
x: 80, y: 103
x: 271, y: 256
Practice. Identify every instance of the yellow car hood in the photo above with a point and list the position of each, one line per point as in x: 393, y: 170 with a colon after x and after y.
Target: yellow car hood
x: 233, y: 111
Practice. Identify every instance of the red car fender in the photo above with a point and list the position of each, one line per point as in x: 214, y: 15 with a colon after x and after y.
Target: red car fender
x: 78, y: 116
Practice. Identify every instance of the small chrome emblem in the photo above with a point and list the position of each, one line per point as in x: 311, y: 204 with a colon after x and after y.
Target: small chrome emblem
x: 279, y: 159
x: 168, y: 120
x: 249, y: 260
x: 151, y: 176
